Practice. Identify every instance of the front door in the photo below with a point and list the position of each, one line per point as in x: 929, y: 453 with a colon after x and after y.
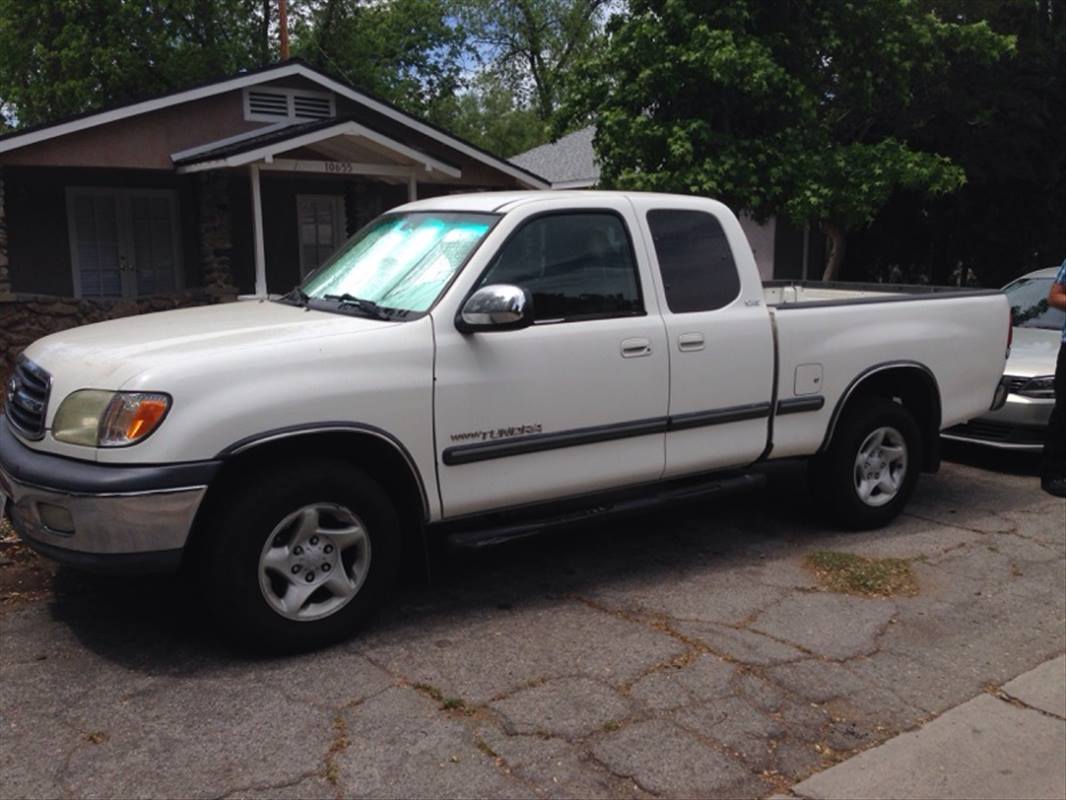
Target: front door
x: 124, y: 242
x: 578, y: 400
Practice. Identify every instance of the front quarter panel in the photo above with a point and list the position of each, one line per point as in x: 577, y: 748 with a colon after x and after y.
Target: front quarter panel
x: 380, y: 378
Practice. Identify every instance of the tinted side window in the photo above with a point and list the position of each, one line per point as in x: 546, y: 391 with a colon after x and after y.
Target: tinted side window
x: 695, y: 261
x: 575, y: 265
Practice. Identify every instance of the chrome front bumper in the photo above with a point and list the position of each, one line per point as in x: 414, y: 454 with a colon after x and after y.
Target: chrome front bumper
x: 100, y: 516
x: 137, y: 522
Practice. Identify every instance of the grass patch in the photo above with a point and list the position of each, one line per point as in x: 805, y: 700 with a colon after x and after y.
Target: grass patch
x: 483, y: 746
x: 338, y: 745
x: 430, y: 691
x: 871, y: 577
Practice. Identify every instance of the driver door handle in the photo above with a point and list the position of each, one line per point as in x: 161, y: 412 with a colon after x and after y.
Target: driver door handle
x: 635, y: 348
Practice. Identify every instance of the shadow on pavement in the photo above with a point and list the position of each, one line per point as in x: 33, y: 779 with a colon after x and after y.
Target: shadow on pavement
x: 989, y: 458
x: 157, y: 625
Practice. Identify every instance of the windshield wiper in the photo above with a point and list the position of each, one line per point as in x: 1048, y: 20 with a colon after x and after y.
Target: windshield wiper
x: 298, y: 296
x: 368, y: 307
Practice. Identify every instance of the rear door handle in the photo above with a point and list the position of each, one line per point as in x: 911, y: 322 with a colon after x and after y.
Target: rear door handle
x: 687, y: 342
x: 635, y: 348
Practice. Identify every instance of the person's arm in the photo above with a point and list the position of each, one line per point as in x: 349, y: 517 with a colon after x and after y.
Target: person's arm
x: 1057, y: 296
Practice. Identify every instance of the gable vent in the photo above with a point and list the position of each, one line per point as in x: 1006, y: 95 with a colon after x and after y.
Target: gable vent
x: 269, y: 104
x: 310, y: 107
x: 274, y: 104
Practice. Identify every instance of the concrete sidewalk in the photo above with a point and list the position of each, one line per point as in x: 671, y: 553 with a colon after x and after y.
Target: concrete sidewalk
x: 1011, y: 744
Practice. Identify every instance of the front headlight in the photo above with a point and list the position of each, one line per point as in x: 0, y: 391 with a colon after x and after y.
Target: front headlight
x: 1042, y: 387
x: 96, y: 418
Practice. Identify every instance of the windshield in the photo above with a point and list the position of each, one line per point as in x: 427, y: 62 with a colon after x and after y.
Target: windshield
x: 399, y: 264
x: 1028, y: 304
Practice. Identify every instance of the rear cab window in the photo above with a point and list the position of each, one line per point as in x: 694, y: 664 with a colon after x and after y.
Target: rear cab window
x: 695, y: 260
x: 578, y: 265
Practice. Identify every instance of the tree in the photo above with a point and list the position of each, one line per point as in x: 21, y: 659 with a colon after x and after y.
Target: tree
x: 489, y: 115
x: 530, y: 46
x: 63, y: 57
x: 1003, y: 124
x: 801, y: 107
x: 409, y: 52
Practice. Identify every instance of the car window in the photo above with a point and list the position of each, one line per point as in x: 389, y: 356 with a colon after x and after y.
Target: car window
x: 1029, y: 307
x: 695, y: 260
x: 576, y: 265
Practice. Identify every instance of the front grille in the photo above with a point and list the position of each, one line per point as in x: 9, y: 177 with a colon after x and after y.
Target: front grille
x: 27, y: 398
x: 998, y: 432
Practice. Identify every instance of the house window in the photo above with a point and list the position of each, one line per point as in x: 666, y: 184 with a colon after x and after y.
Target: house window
x: 123, y: 242
x: 270, y: 104
x: 321, y: 227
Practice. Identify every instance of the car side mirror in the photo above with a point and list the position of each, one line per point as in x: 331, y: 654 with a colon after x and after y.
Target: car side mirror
x: 498, y: 307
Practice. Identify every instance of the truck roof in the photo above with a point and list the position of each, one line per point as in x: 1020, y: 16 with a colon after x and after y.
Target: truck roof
x: 502, y: 202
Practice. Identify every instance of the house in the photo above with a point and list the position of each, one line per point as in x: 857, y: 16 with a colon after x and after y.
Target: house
x: 782, y: 251
x: 240, y: 186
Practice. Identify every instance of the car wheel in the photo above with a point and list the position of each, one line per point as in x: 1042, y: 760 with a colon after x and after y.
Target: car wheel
x: 870, y: 469
x: 301, y: 555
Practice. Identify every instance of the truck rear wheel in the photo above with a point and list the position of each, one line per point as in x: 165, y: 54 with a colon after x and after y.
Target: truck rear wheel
x: 868, y: 473
x: 301, y: 554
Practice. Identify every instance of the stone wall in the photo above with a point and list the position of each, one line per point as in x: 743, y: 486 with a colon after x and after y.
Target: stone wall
x: 5, y: 276
x: 216, y: 240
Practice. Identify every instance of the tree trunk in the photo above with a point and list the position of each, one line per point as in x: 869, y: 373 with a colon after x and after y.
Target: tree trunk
x: 834, y: 253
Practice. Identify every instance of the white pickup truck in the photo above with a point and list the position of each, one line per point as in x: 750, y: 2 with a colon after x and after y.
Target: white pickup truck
x: 468, y: 369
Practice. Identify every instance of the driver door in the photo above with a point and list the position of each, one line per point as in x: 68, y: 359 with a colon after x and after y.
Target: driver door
x: 576, y: 402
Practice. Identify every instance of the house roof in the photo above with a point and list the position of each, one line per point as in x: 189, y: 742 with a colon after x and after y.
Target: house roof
x: 568, y: 162
x: 344, y: 133
x: 292, y: 67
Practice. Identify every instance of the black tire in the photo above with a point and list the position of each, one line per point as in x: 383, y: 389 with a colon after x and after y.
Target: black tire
x: 833, y: 473
x: 242, y: 523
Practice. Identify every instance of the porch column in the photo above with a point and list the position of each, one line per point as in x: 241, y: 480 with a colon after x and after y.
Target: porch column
x: 257, y: 227
x: 412, y: 187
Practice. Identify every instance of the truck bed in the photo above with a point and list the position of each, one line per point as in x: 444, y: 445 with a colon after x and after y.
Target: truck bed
x: 786, y: 293
x: 841, y: 330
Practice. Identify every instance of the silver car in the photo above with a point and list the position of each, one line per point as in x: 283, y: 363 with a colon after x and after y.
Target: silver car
x: 1021, y: 423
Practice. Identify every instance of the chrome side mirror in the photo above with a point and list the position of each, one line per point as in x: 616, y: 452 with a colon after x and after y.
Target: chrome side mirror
x: 499, y: 307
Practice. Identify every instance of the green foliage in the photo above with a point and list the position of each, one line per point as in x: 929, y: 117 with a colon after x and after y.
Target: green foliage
x: 802, y: 107
x: 409, y: 52
x: 62, y: 57
x: 489, y: 115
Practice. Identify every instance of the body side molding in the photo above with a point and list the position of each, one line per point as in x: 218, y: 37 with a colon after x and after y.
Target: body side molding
x: 797, y: 405
x: 539, y: 442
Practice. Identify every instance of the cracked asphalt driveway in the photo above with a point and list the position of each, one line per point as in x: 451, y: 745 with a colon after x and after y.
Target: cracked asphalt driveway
x: 686, y: 653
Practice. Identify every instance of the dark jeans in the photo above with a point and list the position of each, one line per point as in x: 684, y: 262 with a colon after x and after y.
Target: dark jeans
x: 1053, y: 464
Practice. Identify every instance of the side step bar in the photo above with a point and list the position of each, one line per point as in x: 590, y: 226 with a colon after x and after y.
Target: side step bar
x: 497, y: 528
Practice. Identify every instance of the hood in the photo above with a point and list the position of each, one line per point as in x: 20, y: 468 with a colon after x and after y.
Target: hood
x: 1033, y: 352
x: 106, y: 355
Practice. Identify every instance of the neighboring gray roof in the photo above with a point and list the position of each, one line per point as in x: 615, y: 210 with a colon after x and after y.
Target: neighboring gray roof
x: 569, y: 160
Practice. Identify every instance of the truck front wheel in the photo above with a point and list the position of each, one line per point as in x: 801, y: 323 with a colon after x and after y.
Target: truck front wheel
x: 871, y: 466
x: 300, y: 555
